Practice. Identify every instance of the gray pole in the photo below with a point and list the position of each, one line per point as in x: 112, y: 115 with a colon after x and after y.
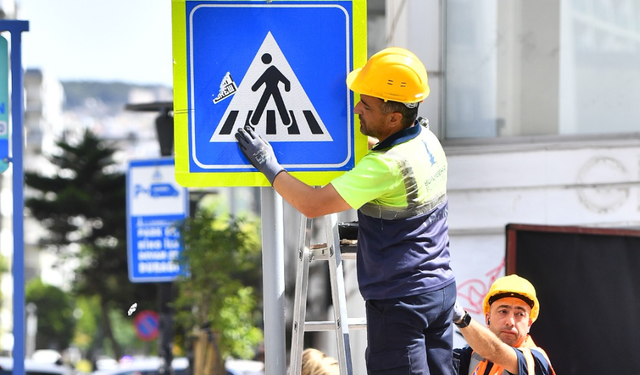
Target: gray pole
x: 273, y: 281
x: 32, y: 329
x: 164, y: 129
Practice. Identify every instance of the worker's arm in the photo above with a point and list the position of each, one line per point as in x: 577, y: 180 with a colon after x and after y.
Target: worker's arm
x: 486, y: 343
x: 309, y: 201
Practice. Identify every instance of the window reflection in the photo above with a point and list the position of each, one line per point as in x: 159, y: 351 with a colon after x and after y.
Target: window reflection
x: 526, y: 68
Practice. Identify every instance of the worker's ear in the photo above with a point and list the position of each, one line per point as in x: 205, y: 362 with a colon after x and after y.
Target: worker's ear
x: 395, y: 118
x: 487, y: 320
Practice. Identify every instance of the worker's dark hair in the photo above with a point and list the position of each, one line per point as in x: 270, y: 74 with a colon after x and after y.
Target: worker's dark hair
x: 409, y: 115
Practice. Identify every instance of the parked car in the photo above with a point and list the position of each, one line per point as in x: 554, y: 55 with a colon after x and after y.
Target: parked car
x: 33, y: 367
x: 145, y: 366
x: 244, y: 367
x: 150, y: 366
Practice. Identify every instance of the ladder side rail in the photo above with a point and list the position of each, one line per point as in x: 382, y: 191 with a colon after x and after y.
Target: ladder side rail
x: 338, y: 295
x: 300, y: 299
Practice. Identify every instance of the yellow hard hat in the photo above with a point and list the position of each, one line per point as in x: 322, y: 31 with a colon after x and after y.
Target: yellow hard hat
x: 393, y: 74
x: 513, y: 286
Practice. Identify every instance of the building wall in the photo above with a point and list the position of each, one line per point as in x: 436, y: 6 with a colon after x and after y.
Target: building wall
x: 514, y: 176
x: 580, y: 183
x: 516, y: 152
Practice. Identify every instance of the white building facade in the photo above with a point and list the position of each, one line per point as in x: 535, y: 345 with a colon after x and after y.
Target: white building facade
x: 536, y: 104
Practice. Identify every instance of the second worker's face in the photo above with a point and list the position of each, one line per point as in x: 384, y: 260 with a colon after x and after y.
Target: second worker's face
x: 509, y: 319
x: 372, y: 120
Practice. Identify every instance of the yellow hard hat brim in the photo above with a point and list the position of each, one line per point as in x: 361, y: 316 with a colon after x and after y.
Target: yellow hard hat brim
x: 351, y: 77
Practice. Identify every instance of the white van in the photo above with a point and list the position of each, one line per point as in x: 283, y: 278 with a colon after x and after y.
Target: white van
x: 32, y: 367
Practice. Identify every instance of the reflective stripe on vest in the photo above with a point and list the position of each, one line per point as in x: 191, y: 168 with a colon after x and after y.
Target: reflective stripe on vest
x: 414, y: 206
x: 489, y: 368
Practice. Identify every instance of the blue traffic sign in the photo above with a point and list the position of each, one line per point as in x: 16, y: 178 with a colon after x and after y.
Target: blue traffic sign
x: 4, y: 105
x: 279, y: 67
x: 156, y: 204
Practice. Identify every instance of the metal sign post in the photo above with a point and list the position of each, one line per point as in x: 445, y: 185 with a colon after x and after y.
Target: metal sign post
x: 16, y: 28
x: 155, y: 205
x: 273, y: 277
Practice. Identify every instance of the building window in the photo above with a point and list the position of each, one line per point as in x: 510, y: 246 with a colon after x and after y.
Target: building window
x: 544, y: 67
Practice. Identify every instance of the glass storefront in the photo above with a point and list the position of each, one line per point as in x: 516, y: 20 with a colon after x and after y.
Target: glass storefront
x: 543, y: 67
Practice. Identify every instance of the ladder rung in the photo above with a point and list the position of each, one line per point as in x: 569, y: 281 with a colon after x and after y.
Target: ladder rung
x: 321, y: 252
x: 329, y: 325
x: 346, y: 246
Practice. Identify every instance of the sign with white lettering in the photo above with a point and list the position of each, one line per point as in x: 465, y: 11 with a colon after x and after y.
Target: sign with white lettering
x: 156, y: 204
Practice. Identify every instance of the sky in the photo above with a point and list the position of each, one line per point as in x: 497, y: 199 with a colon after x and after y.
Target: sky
x: 102, y: 40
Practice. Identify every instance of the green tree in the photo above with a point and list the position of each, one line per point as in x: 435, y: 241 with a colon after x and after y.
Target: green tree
x: 84, y: 205
x: 220, y: 294
x: 87, y: 311
x: 3, y: 268
x: 56, y: 324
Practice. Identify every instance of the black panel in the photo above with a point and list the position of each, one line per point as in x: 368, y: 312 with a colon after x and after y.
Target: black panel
x: 588, y: 286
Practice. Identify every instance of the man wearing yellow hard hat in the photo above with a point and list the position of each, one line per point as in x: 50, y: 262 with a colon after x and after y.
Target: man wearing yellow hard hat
x: 505, y: 347
x: 399, y: 190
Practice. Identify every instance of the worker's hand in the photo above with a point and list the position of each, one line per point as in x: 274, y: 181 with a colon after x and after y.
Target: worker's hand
x: 259, y: 152
x: 458, y: 312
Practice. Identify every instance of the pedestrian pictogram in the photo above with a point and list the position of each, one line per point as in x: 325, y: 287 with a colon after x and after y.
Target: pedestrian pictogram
x: 270, y: 79
x: 272, y: 100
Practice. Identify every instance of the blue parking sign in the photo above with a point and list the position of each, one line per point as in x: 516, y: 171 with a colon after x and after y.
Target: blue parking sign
x: 279, y: 67
x: 156, y: 204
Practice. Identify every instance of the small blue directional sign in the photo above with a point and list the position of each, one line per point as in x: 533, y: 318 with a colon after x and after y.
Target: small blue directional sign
x: 279, y: 66
x: 155, y: 205
x: 4, y: 105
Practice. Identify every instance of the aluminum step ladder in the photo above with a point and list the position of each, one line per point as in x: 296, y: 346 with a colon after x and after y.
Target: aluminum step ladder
x: 307, y: 254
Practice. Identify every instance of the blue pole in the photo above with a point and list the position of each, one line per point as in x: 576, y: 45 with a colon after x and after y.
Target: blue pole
x: 16, y: 27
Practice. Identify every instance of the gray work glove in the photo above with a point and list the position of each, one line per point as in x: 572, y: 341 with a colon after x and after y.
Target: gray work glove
x: 458, y: 312
x: 259, y: 152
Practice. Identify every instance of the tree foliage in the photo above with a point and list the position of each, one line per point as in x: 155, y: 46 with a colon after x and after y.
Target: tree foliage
x: 83, y: 209
x: 87, y: 323
x: 221, y: 292
x: 3, y: 268
x: 56, y: 323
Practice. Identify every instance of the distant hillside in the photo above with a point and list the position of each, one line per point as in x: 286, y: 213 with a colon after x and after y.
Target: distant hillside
x: 112, y: 94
